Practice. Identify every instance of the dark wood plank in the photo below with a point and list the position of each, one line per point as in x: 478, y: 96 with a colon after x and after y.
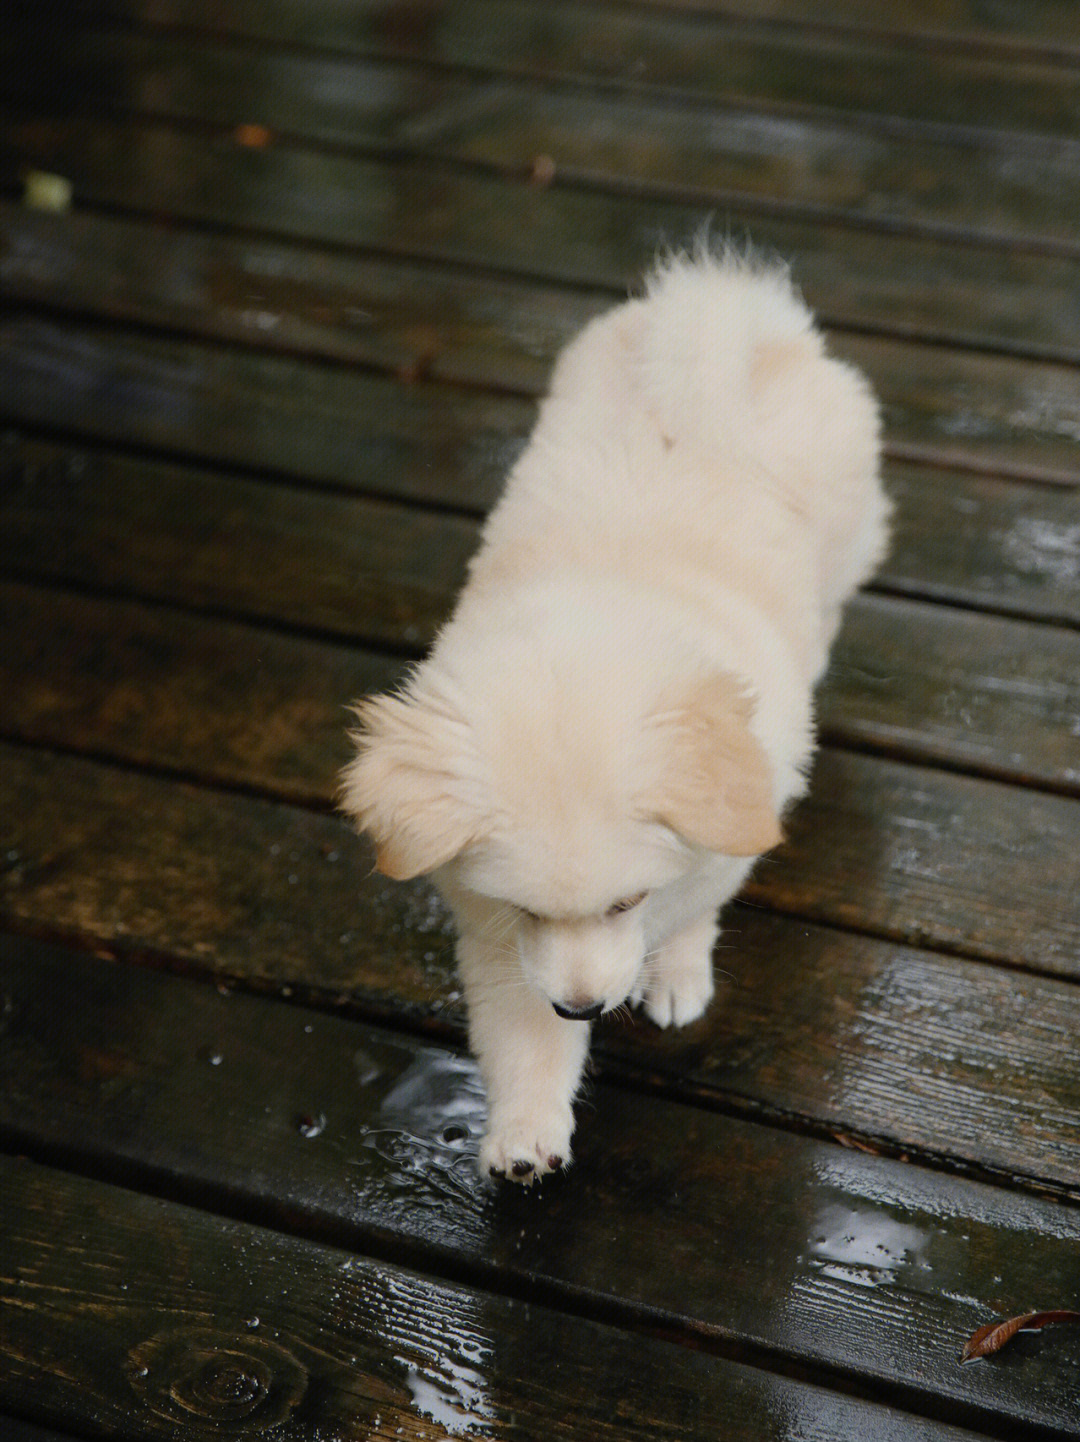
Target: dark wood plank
x: 344, y: 1346
x: 917, y: 856
x: 716, y: 57
x: 979, y: 411
x: 1007, y: 27
x: 12, y: 1429
x: 907, y: 285
x: 949, y: 861
x: 320, y: 423
x: 1016, y: 188
x: 816, y: 1023
x: 1018, y: 550
x: 974, y: 691
x: 165, y: 689
x: 832, y: 1258
x: 966, y: 539
x: 221, y: 702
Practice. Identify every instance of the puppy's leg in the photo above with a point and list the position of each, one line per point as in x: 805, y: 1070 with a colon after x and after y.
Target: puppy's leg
x: 680, y: 983
x: 531, y: 1061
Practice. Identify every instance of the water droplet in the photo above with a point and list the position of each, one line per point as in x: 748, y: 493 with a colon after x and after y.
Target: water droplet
x: 252, y: 1323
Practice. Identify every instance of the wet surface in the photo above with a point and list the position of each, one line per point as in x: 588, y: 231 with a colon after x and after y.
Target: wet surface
x: 262, y: 377
x: 837, y: 1257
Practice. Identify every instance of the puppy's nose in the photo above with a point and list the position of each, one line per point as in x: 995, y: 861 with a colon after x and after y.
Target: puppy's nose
x: 579, y: 1013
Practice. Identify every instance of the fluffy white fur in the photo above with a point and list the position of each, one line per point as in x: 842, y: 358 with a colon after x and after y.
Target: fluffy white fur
x: 621, y: 704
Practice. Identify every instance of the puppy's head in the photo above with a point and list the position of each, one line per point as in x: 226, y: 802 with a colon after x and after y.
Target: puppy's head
x: 564, y: 808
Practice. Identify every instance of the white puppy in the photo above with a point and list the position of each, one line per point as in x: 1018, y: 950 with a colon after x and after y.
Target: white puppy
x: 607, y: 730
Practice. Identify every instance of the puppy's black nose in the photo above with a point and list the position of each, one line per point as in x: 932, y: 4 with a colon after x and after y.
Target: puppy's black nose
x: 579, y: 1013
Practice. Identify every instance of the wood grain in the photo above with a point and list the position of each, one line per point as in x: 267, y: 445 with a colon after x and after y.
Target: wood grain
x: 775, y: 1242
x: 986, y: 412
x: 858, y: 1035
x: 906, y: 285
x: 244, y: 705
x: 1006, y: 29
x: 707, y: 55
x: 1014, y: 188
x: 957, y: 538
x: 334, y: 1345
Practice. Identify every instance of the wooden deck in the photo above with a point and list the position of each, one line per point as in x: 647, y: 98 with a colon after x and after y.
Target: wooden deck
x: 259, y: 384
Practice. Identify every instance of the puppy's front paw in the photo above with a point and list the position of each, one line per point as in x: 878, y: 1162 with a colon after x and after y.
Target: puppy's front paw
x: 524, y: 1147
x: 669, y: 1004
x: 680, y: 983
x: 679, y: 997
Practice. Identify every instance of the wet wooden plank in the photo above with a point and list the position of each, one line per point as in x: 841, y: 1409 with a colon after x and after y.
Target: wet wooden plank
x: 974, y: 691
x: 221, y: 702
x: 949, y: 861
x: 1016, y: 24
x: 832, y: 1258
x: 1016, y: 188
x: 166, y: 689
x: 715, y: 57
x: 855, y: 1034
x: 858, y: 1036
x: 969, y: 540
x: 911, y: 286
x: 918, y: 856
x: 979, y: 411
x: 344, y: 1345
x: 319, y: 423
x: 13, y: 1429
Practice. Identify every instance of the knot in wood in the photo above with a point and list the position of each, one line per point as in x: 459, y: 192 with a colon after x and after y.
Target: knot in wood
x: 216, y: 1383
x: 227, y: 1383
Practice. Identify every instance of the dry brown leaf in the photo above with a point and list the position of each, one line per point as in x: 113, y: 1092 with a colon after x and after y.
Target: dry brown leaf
x: 855, y: 1144
x: 255, y: 137
x: 991, y: 1338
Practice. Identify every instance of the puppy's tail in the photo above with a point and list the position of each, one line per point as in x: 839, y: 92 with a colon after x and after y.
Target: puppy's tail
x: 716, y: 325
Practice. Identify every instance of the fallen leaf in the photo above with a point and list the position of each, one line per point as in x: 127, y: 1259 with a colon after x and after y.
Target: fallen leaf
x: 991, y: 1338
x: 855, y: 1144
x: 542, y: 170
x: 255, y: 137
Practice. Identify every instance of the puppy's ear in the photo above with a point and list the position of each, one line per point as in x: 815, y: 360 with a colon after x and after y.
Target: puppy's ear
x: 716, y: 782
x: 403, y: 787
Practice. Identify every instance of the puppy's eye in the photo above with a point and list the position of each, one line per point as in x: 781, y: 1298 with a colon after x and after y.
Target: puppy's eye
x: 627, y: 904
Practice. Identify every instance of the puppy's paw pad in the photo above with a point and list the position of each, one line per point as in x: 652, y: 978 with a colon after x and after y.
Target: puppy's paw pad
x: 522, y: 1151
x: 678, y: 1001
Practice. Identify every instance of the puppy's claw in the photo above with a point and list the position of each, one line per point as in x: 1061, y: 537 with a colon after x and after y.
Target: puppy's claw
x: 519, y: 1150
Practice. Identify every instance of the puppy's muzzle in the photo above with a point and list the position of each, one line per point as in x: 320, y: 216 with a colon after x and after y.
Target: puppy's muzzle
x: 579, y: 1013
